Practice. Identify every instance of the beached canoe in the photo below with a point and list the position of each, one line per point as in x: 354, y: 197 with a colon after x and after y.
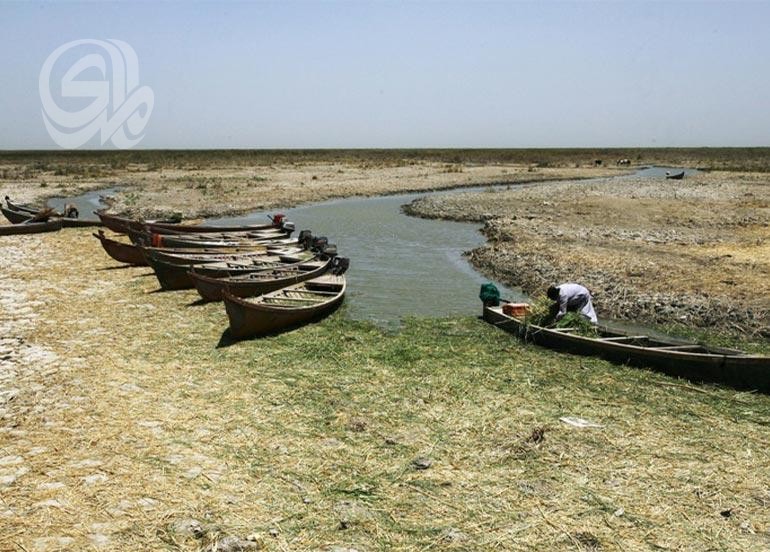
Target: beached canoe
x: 675, y: 176
x: 132, y: 254
x: 160, y: 227
x: 24, y: 207
x: 122, y: 252
x: 196, y: 255
x: 173, y: 276
x: 285, y: 308
x: 245, y: 265
x: 674, y: 357
x: 53, y: 225
x: 122, y: 225
x: 166, y: 240
x: 255, y: 283
x: 191, y: 256
x: 16, y: 216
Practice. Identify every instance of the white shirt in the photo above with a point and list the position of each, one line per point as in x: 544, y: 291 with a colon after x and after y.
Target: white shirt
x: 576, y: 297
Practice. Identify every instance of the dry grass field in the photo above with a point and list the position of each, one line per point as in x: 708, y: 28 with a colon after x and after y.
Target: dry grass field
x: 126, y: 427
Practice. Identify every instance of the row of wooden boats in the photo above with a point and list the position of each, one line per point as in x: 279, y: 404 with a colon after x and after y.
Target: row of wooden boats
x: 694, y: 361
x: 30, y: 219
x: 267, y: 280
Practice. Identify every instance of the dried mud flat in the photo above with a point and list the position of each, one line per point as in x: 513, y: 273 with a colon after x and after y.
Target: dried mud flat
x: 694, y: 252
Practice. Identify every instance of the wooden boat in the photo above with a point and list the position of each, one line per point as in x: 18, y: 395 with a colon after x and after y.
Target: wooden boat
x: 674, y: 357
x: 176, y: 276
x: 121, y: 224
x: 24, y: 207
x: 285, y: 308
x: 132, y: 254
x: 148, y: 228
x: 68, y: 222
x: 246, y: 265
x: 165, y: 227
x: 167, y: 240
x: 15, y: 216
x: 197, y: 255
x: 255, y: 283
x: 675, y: 176
x: 53, y: 225
x: 127, y: 253
x: 194, y: 256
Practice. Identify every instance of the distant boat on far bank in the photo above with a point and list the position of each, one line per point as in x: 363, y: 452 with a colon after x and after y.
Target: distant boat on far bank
x: 675, y: 176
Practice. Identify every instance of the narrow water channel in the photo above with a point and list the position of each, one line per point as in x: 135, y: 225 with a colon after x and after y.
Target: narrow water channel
x: 400, y: 266
x: 85, y: 203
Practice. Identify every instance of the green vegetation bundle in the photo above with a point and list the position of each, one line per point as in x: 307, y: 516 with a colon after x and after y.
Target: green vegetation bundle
x: 542, y: 314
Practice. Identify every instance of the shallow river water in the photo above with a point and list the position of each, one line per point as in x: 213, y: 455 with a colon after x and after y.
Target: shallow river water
x: 399, y: 265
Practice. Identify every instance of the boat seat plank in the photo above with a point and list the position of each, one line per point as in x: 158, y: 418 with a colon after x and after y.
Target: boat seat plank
x: 623, y: 338
x: 564, y: 330
x: 676, y: 347
x: 279, y: 300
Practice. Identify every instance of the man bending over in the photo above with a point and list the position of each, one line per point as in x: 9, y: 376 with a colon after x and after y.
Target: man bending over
x: 572, y: 298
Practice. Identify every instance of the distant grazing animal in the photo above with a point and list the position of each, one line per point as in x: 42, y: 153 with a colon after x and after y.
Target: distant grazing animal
x: 624, y: 162
x: 597, y: 162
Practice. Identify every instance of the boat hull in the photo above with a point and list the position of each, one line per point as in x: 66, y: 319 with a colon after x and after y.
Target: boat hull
x: 712, y: 365
x: 15, y: 216
x: 127, y: 253
x: 67, y: 222
x: 211, y: 288
x: 173, y: 277
x: 175, y: 228
x: 31, y: 209
x: 31, y: 228
x: 249, y: 319
x: 175, y: 240
x: 121, y: 225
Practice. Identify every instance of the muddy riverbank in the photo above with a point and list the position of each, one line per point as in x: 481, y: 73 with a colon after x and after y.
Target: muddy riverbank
x: 692, y: 252
x: 218, y: 189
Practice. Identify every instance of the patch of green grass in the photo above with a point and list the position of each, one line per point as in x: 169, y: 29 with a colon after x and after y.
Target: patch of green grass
x: 746, y: 341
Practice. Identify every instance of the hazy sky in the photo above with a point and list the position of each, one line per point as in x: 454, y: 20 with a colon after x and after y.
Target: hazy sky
x: 415, y: 74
